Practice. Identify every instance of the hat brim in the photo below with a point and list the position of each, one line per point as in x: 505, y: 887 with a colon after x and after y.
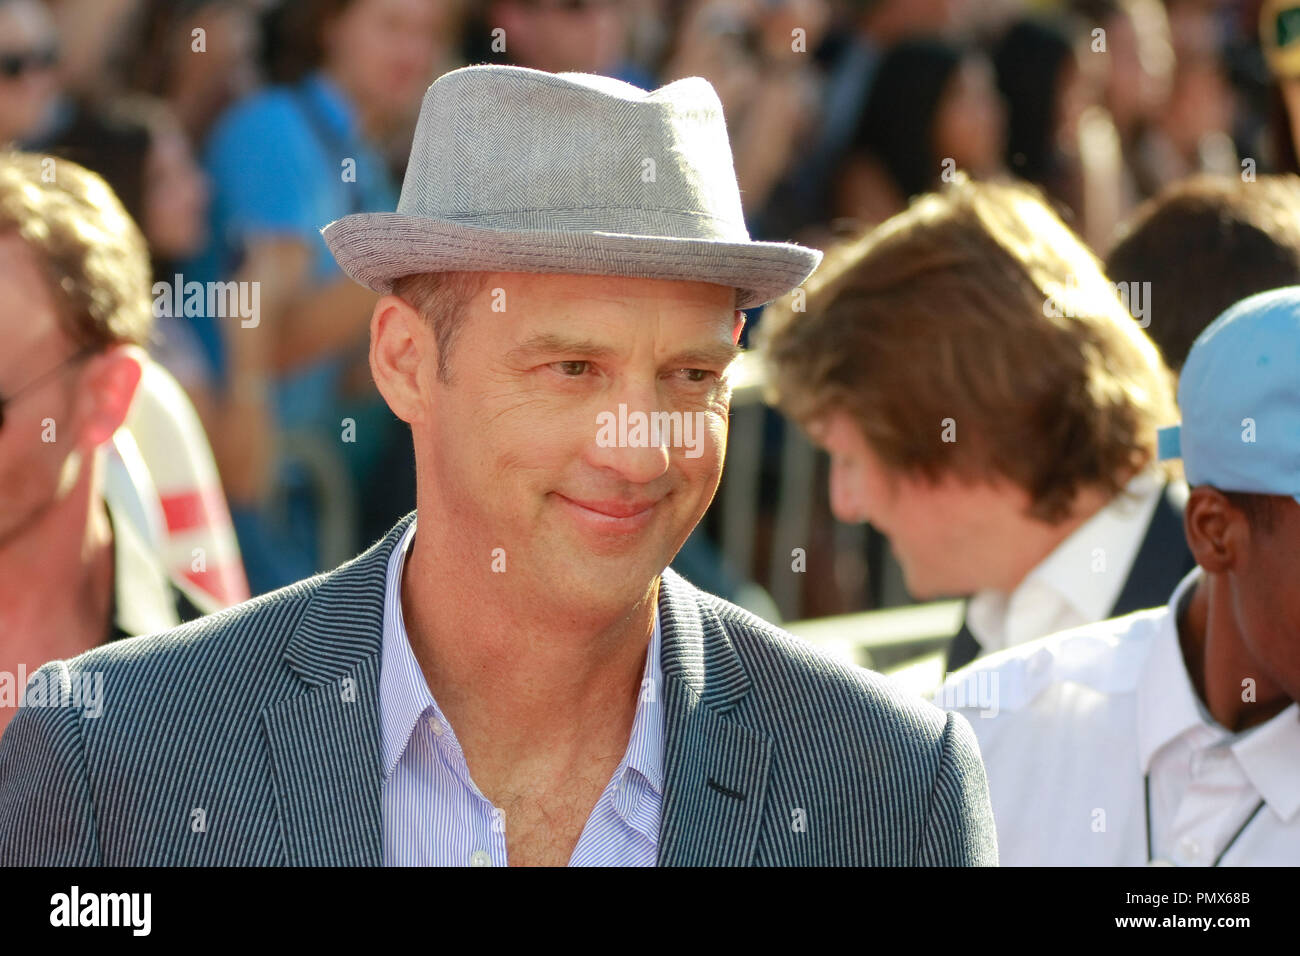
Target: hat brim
x: 374, y: 249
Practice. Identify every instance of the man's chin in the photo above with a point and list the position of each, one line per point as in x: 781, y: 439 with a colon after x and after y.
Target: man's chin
x: 592, y: 583
x: 923, y: 587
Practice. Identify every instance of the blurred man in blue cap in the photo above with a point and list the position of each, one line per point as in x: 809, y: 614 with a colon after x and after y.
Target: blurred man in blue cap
x: 1172, y: 735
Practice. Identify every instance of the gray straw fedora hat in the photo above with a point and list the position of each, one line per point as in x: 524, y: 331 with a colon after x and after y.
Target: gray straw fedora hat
x: 517, y: 170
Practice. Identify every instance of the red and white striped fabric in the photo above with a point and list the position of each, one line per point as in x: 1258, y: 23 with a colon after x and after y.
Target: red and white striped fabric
x: 179, y: 500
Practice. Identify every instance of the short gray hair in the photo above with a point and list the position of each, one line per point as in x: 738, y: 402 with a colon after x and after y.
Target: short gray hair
x: 441, y: 298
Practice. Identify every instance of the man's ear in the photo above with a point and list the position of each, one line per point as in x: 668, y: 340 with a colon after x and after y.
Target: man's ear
x: 1216, y: 531
x: 108, y: 384
x: 400, y: 339
x: 738, y: 327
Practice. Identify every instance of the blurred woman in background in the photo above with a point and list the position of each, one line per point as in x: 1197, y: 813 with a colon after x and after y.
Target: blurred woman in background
x: 201, y: 56
x: 933, y: 110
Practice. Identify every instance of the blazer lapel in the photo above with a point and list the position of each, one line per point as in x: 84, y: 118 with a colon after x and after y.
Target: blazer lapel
x: 715, y: 768
x: 324, y: 739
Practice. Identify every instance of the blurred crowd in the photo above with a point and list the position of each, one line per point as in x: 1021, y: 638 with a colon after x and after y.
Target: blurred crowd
x: 233, y: 130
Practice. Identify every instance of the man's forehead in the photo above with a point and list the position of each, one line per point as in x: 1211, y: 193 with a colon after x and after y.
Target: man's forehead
x: 601, y: 306
x: 541, y: 288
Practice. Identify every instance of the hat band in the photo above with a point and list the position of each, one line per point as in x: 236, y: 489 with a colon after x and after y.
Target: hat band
x: 617, y: 220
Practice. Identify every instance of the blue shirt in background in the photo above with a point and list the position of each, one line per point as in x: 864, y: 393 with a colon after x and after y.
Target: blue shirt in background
x: 286, y: 162
x: 276, y: 163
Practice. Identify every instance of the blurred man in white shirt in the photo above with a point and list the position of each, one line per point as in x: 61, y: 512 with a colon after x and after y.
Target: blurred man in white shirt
x: 991, y: 408
x: 1172, y: 735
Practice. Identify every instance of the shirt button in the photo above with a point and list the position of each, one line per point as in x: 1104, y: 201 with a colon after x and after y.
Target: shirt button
x: 479, y: 858
x: 1190, y: 847
x: 436, y: 726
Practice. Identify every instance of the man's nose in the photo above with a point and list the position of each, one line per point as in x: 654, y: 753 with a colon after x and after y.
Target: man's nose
x: 635, y: 436
x: 636, y: 464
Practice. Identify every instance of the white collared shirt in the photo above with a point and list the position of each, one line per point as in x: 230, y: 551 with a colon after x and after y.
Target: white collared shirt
x: 1068, y: 725
x: 1079, y: 582
x: 433, y: 812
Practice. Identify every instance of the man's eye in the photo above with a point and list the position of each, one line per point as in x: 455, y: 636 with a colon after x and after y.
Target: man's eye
x: 698, y: 374
x: 573, y: 368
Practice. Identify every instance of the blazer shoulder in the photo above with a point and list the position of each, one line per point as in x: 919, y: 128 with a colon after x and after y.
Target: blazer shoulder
x: 853, y: 739
x: 790, y: 673
x: 255, y: 628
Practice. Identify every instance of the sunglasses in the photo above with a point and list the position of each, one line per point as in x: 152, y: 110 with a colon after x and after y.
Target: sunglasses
x: 570, y: 6
x: 15, y: 63
x: 78, y: 356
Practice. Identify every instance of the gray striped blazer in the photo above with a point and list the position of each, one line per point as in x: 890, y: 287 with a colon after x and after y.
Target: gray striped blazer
x: 251, y: 738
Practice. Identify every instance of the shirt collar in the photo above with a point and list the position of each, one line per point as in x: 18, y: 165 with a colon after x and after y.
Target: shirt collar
x: 1116, y: 531
x: 1168, y: 706
x: 1267, y: 755
x: 404, y: 694
x: 1069, y: 577
x: 645, y: 751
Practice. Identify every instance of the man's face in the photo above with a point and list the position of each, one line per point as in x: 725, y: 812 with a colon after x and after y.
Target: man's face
x: 517, y: 445
x: 386, y: 49
x: 35, y: 473
x: 945, y: 535
x: 1267, y: 598
x: 583, y: 36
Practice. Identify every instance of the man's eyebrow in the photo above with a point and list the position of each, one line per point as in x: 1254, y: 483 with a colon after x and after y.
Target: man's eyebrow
x: 547, y: 343
x: 719, y: 354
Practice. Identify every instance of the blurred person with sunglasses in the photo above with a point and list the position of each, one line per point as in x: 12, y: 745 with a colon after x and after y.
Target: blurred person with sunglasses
x: 74, y: 314
x: 28, y: 55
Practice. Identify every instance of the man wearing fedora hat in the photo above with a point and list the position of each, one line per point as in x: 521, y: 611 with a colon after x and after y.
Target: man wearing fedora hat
x: 523, y: 679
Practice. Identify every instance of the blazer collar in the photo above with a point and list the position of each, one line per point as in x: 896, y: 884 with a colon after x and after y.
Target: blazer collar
x: 696, y: 647
x: 715, y: 766
x: 324, y: 742
x: 343, y: 625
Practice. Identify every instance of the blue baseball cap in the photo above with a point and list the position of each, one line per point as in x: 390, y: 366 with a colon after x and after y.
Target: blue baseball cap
x: 1239, y: 394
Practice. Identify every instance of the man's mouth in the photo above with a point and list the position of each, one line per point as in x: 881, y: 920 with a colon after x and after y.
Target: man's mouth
x: 609, y: 514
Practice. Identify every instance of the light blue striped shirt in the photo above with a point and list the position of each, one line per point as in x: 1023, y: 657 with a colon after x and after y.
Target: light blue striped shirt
x: 434, y: 815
